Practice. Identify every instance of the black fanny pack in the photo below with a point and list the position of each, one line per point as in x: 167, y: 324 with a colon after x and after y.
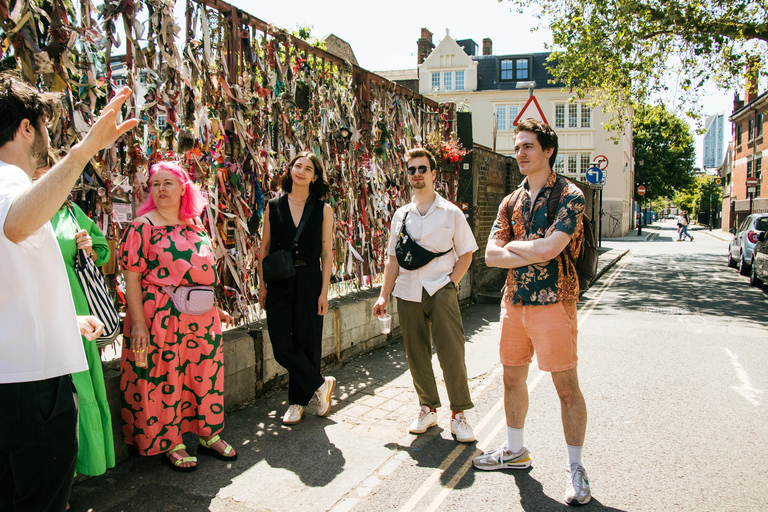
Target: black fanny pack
x: 410, y: 255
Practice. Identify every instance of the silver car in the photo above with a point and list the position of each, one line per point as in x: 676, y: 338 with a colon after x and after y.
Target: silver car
x: 744, y: 239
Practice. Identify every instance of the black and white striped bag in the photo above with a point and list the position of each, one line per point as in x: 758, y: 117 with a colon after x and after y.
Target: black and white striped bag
x: 97, y: 295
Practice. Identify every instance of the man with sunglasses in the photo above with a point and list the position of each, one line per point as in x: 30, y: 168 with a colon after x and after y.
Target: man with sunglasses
x: 427, y: 292
x: 538, y: 312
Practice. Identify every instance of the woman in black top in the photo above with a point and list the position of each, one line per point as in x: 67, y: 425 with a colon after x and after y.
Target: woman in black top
x: 295, y: 306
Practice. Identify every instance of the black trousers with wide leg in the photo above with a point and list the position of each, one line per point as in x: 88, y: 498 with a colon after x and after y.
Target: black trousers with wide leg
x: 296, y: 331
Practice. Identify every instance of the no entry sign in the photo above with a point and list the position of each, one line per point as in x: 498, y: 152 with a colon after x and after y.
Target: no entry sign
x: 641, y: 190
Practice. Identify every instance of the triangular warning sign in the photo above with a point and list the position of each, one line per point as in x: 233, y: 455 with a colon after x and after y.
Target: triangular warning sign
x: 520, y: 117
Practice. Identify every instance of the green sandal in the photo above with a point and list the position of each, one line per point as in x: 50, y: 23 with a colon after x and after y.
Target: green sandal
x: 205, y: 449
x: 175, y: 460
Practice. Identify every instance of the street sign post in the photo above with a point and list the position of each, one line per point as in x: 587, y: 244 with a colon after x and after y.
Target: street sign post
x: 752, y: 183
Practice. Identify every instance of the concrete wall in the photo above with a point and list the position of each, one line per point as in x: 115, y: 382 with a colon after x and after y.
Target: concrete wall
x: 250, y: 369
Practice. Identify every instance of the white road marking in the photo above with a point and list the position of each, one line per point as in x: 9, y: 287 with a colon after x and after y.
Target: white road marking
x: 746, y: 390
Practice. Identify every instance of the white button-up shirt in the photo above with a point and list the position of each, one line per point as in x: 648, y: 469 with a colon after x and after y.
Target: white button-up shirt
x: 443, y: 228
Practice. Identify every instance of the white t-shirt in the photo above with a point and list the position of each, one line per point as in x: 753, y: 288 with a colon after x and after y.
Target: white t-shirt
x: 444, y: 227
x: 39, y: 336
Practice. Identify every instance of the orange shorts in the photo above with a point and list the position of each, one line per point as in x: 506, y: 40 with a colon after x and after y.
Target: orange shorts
x: 549, y: 330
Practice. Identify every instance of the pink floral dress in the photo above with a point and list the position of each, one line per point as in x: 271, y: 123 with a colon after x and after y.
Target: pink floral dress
x: 182, y: 388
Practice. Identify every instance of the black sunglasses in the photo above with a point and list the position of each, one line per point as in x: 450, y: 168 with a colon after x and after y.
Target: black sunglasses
x: 422, y: 169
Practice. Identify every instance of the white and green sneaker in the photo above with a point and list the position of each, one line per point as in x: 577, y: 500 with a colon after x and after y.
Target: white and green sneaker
x: 502, y: 458
x: 577, y: 490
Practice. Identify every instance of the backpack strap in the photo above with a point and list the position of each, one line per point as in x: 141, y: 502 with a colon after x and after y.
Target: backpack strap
x: 511, y: 205
x: 554, y: 198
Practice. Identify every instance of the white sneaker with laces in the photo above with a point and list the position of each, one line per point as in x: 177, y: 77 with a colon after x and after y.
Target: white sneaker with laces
x: 293, y: 415
x: 426, y: 419
x: 324, y: 394
x: 501, y: 458
x: 461, y: 429
x: 577, y: 491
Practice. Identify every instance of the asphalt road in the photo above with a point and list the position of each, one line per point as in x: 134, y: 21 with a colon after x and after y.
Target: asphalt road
x: 673, y: 352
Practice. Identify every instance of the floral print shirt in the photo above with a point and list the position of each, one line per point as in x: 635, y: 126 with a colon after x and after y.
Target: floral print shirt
x: 555, y: 280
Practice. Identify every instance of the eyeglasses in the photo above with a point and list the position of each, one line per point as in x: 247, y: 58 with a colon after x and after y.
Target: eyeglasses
x: 421, y: 169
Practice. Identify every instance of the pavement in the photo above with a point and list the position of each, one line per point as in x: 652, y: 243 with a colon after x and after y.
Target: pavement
x: 328, y: 463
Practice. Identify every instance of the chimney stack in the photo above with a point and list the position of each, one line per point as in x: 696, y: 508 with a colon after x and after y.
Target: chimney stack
x: 487, y: 46
x: 737, y: 103
x: 753, y: 68
x: 424, y: 45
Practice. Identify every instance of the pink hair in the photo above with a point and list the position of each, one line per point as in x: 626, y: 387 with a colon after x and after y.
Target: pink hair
x: 192, y: 202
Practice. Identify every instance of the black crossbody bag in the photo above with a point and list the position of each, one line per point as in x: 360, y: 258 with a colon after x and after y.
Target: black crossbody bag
x: 410, y: 255
x: 279, y: 265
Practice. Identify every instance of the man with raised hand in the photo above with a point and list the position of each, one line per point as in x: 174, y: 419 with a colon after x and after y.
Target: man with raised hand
x: 538, y: 311
x: 40, y: 344
x: 430, y: 250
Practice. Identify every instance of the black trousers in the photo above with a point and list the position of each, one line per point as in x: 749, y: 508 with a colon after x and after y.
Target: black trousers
x: 296, y: 331
x: 38, y: 445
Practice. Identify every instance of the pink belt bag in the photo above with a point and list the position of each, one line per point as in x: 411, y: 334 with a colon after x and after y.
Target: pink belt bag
x: 191, y: 300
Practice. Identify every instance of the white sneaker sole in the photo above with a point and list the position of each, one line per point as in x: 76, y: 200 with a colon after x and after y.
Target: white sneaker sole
x: 575, y: 501
x: 463, y: 439
x: 422, y: 430
x: 328, y: 396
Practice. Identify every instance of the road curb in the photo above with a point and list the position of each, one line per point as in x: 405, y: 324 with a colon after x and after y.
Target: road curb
x: 610, y: 257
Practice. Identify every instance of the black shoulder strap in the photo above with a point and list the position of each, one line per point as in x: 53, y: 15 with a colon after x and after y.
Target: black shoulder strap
x: 554, y: 198
x: 304, y: 216
x: 512, y: 204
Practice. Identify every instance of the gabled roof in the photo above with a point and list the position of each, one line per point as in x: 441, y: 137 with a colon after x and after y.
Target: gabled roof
x: 447, y: 45
x: 755, y: 103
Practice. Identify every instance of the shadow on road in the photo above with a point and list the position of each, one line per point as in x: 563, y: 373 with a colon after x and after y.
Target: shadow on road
x: 532, y: 497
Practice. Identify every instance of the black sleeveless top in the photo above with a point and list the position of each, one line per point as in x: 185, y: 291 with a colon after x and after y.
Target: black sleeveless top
x: 282, y: 230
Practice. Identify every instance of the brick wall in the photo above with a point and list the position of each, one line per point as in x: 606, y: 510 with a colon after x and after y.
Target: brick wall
x: 494, y: 177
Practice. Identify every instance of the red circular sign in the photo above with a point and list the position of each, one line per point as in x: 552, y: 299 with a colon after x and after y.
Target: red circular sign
x: 641, y: 190
x: 752, y: 181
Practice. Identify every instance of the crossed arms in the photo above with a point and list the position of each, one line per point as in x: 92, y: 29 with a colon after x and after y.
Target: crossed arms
x: 521, y: 253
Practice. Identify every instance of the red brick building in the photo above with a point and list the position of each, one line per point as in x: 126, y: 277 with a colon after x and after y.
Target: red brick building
x: 750, y: 145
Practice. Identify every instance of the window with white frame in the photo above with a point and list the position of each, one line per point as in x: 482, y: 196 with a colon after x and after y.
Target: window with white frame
x: 505, y: 116
x: 560, y: 115
x: 162, y: 122
x: 459, y: 81
x: 507, y: 69
x: 447, y: 81
x: 579, y: 115
x: 436, y: 81
x: 573, y: 163
x: 586, y: 116
x: 573, y: 115
x: 559, y: 164
x: 501, y: 117
x: 586, y: 159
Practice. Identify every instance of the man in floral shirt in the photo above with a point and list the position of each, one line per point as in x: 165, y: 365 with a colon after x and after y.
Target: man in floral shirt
x: 539, y: 307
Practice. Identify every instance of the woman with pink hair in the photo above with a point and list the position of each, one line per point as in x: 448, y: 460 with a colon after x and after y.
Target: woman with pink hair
x: 172, y: 364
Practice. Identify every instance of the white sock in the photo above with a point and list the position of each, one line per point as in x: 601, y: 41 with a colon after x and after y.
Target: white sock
x: 515, y: 439
x: 574, y: 455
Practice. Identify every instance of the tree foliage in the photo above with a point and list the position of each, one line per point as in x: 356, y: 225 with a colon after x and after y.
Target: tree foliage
x: 664, y: 151
x: 623, y: 51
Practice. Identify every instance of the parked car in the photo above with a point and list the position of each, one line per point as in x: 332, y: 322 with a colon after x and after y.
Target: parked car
x: 744, y: 240
x: 758, y: 276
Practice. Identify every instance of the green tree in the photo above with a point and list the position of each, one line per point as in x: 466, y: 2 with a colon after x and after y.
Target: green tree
x: 621, y: 51
x: 705, y: 190
x: 664, y: 152
x: 685, y: 198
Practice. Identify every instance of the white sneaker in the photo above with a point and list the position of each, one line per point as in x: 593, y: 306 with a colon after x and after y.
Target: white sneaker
x: 501, y: 458
x: 426, y: 419
x: 577, y: 490
x: 293, y: 415
x: 461, y: 429
x: 324, y: 394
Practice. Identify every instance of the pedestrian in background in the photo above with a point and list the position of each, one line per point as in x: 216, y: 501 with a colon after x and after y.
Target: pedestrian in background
x: 296, y: 305
x: 39, y: 332
x: 538, y: 311
x: 172, y: 364
x: 682, y: 222
x: 430, y: 250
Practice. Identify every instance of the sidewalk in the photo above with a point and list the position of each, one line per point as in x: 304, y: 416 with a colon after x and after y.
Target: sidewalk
x: 326, y: 463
